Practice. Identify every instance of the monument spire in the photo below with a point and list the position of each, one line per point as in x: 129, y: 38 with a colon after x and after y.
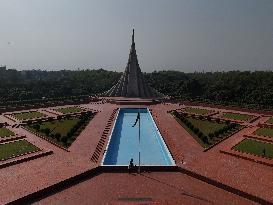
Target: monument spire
x: 133, y: 37
x: 132, y: 83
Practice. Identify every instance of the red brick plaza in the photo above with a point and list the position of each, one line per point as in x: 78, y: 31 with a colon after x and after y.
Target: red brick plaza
x: 54, y: 175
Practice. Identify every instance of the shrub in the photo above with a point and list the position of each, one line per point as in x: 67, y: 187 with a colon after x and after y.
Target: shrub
x: 221, y: 131
x: 46, y: 131
x: 216, y: 133
x: 64, y: 139
x: 200, y: 135
x: 36, y: 127
x: 70, y: 134
x: 205, y: 139
x: 209, y: 118
x: 211, y: 135
x: 217, y: 120
x: 195, y: 130
x: 58, y: 136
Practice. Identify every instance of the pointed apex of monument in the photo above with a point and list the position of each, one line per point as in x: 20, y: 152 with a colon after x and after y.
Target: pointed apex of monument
x: 132, y: 84
x: 133, y: 36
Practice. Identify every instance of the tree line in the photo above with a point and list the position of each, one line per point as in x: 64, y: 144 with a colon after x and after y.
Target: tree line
x: 241, y: 88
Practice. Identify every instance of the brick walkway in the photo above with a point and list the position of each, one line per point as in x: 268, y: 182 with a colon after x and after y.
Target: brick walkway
x: 244, y: 175
x: 149, y: 188
x: 25, y: 178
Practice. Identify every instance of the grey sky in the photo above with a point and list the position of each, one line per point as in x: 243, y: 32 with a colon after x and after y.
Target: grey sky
x: 185, y: 35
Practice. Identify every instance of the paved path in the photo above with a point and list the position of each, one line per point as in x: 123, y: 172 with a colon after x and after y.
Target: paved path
x: 245, y: 175
x: 148, y: 188
x: 25, y: 178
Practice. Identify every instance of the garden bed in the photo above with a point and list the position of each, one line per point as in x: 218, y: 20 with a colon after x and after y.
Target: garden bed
x: 237, y: 116
x: 28, y: 115
x: 206, y: 132
x: 270, y: 120
x: 255, y: 147
x: 5, y: 132
x: 263, y: 131
x: 66, y: 110
x: 61, y: 131
x: 198, y: 111
x: 16, y: 148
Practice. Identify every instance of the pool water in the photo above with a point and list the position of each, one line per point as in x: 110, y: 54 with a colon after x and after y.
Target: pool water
x: 124, y: 141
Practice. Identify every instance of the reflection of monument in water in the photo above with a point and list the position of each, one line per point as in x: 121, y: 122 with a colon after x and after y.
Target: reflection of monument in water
x: 132, y: 83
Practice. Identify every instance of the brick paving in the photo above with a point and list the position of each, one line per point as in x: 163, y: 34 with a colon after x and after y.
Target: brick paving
x: 148, y: 188
x: 25, y: 178
x: 229, y: 170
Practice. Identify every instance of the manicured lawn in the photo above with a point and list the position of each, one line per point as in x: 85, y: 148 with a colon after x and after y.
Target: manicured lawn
x: 28, y: 115
x: 4, y: 132
x: 191, y: 133
x: 237, y: 116
x: 62, y: 131
x: 62, y: 126
x: 206, y: 126
x: 255, y: 147
x: 69, y: 110
x: 270, y: 120
x: 206, y: 132
x: 196, y: 110
x: 16, y: 148
x: 264, y: 132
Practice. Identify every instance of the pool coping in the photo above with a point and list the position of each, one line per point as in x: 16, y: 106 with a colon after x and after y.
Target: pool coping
x: 146, y: 165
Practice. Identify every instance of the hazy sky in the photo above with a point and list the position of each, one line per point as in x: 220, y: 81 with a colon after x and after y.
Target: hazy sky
x: 186, y: 35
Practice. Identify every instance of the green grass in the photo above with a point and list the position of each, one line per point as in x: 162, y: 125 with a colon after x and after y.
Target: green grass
x: 4, y: 132
x: 196, y: 110
x: 16, y: 148
x: 237, y: 116
x: 264, y: 132
x: 255, y: 147
x: 270, y: 120
x: 69, y: 110
x: 206, y: 126
x: 62, y: 126
x: 68, y: 129
x: 28, y: 115
x: 191, y: 133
